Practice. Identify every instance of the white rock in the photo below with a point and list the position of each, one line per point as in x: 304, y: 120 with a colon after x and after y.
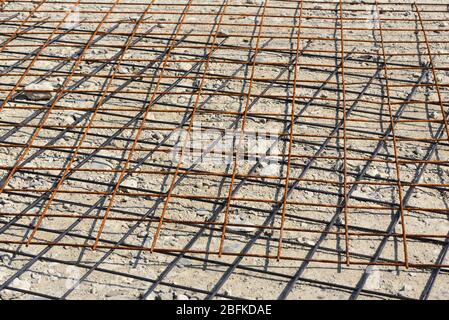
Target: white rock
x: 182, y: 99
x: 5, y: 259
x: 152, y: 296
x: 405, y: 290
x: 202, y: 212
x: 129, y: 183
x: 198, y: 184
x: 172, y: 241
x: 304, y: 240
x: 101, y: 165
x: 98, y: 51
x: 374, y: 172
x: 142, y: 234
x: 164, y: 295
x: 21, y: 284
x: 38, y: 91
x: 93, y: 290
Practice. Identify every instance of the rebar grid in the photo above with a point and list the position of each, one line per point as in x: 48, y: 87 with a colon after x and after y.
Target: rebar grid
x: 104, y: 195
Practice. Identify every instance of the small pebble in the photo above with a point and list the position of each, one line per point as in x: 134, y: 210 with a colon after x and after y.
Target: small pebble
x: 418, y: 151
x: 157, y: 136
x: 433, y: 115
x: 129, y: 183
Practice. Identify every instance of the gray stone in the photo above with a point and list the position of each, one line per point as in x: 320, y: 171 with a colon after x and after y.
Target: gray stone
x: 182, y: 263
x: 337, y: 165
x: 38, y: 91
x: 234, y: 247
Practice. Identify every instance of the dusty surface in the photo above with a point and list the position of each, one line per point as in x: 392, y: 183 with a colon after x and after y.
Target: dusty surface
x: 79, y: 169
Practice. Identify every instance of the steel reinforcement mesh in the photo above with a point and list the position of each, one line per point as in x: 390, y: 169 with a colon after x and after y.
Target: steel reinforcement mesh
x: 193, y: 149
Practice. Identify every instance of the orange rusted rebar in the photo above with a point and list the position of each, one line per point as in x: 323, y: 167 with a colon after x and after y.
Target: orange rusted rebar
x: 292, y: 126
x: 241, y: 132
x: 88, y: 126
x: 170, y: 48
x: 191, y: 122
